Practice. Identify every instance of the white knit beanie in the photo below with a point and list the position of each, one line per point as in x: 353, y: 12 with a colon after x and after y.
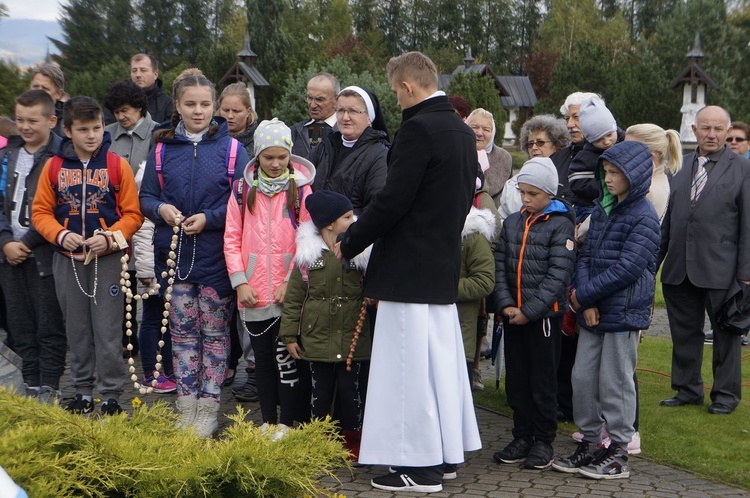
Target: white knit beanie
x: 596, y: 120
x: 541, y: 173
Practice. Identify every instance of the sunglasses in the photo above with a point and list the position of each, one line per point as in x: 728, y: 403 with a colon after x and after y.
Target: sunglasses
x: 736, y: 139
x: 538, y: 143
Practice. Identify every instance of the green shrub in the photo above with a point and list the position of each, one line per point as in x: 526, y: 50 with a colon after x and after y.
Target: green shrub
x: 50, y: 453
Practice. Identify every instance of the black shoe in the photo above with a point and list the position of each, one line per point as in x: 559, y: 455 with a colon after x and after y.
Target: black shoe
x: 111, y: 407
x: 540, y: 456
x: 230, y: 378
x: 80, y: 405
x: 517, y: 450
x: 675, y: 401
x: 582, y: 456
x: 450, y: 471
x: 401, y: 481
x: 720, y: 409
x: 248, y: 392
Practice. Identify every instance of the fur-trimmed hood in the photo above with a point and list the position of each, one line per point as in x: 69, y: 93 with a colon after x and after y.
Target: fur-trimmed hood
x: 480, y: 221
x: 310, y: 247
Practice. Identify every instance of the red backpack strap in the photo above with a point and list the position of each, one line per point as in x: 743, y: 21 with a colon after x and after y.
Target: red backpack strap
x: 114, y: 170
x: 54, y: 169
x: 232, y: 150
x: 159, y: 157
x: 478, y: 200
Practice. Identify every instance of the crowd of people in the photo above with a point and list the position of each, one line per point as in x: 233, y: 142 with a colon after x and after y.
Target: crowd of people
x: 357, y: 272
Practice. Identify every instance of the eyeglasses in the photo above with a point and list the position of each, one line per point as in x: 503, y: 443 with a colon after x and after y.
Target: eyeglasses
x: 538, y: 143
x: 351, y: 112
x: 317, y: 100
x: 736, y: 139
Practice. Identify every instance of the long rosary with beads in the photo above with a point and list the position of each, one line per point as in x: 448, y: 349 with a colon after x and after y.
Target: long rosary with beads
x: 357, y: 332
x: 169, y: 274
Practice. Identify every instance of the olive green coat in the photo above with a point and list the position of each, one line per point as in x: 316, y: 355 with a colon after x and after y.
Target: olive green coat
x: 477, y: 278
x: 321, y: 313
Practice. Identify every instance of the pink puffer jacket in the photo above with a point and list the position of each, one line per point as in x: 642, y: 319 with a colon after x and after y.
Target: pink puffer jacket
x: 259, y: 250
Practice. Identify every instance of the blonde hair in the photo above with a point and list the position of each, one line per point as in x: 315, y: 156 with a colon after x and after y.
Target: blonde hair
x: 413, y: 66
x: 239, y: 90
x: 664, y: 144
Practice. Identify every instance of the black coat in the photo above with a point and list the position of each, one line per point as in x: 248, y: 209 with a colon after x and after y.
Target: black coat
x: 545, y: 244
x: 416, y: 220
x: 301, y: 140
x: 583, y: 186
x: 33, y: 239
x: 160, y: 104
x: 358, y: 175
x: 562, y: 159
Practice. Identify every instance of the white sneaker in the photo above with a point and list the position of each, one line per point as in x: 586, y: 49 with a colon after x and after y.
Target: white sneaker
x: 206, y: 417
x: 634, y: 446
x: 578, y: 437
x: 477, y: 384
x: 186, y: 407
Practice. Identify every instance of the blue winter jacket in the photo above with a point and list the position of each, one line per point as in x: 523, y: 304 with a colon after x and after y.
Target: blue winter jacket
x: 616, y: 269
x: 196, y: 180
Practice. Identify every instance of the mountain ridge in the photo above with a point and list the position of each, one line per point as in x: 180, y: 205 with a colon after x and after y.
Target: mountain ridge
x: 24, y: 41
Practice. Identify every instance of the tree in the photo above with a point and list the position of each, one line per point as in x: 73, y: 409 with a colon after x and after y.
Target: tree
x: 84, y: 26
x: 480, y: 91
x: 3, y: 10
x: 271, y: 44
x: 155, y: 30
x: 12, y: 83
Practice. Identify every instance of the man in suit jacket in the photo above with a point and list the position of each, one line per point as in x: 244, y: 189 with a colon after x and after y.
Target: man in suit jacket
x: 419, y: 411
x: 705, y: 249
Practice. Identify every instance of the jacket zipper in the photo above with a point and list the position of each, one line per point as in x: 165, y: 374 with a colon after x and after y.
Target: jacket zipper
x: 83, y: 199
x: 529, y: 221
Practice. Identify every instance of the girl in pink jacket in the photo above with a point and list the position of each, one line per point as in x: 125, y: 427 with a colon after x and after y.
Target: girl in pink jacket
x: 259, y: 246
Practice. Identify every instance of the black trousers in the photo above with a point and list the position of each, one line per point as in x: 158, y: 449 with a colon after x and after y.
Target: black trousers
x: 235, y: 349
x: 276, y: 373
x: 35, y: 323
x: 532, y: 354
x: 332, y: 379
x: 685, y: 308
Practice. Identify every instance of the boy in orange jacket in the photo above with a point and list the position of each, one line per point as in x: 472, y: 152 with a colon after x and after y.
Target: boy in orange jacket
x: 87, y: 207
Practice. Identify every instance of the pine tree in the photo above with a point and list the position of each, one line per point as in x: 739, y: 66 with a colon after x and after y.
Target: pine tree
x: 84, y: 25
x: 155, y: 31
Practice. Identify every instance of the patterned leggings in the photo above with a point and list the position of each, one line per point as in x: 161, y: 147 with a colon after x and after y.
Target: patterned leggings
x: 199, y: 324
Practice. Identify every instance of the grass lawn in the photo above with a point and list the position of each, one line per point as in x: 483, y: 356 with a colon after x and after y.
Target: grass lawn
x: 715, y: 447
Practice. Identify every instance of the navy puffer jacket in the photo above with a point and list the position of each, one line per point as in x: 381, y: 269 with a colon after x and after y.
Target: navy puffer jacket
x: 537, y: 252
x: 617, y: 266
x: 196, y: 180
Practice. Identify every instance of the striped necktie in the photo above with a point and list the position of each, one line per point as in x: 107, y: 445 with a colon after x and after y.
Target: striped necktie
x: 699, y: 179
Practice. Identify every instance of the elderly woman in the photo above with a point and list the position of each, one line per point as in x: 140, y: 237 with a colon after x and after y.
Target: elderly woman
x: 352, y: 161
x: 541, y: 136
x: 496, y: 162
x: 235, y: 107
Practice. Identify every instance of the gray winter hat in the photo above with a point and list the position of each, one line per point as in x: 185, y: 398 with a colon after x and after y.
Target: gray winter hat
x: 596, y: 120
x: 541, y: 173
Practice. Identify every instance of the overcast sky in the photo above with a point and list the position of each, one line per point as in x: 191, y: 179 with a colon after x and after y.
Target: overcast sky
x: 47, y: 10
